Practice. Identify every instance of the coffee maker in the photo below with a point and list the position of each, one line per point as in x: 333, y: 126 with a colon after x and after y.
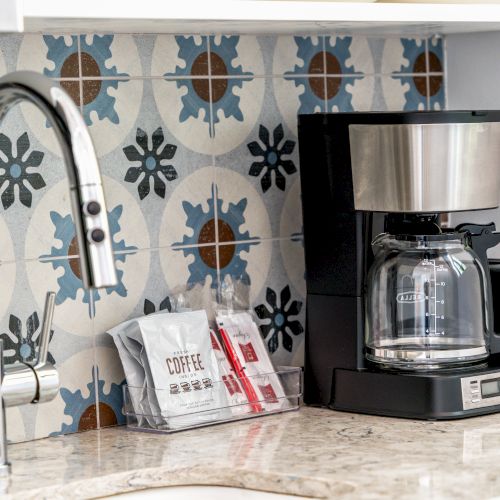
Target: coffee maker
x: 401, y: 308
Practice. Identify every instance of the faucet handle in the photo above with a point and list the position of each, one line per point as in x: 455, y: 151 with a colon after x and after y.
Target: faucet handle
x: 46, y: 374
x: 43, y: 343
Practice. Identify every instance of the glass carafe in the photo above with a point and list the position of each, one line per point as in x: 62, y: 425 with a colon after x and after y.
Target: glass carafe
x: 426, y: 303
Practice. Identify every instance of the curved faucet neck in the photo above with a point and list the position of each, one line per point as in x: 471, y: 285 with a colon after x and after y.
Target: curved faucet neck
x: 86, y: 193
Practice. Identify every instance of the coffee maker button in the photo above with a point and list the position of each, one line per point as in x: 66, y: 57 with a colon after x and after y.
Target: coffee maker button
x: 475, y: 400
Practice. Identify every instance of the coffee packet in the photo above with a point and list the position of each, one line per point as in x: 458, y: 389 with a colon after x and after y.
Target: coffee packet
x: 128, y: 341
x: 180, y: 372
x: 249, y: 356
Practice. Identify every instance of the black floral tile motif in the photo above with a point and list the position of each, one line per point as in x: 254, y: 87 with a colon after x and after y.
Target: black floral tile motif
x: 150, y: 308
x: 152, y: 162
x: 279, y: 319
x: 25, y: 347
x: 17, y: 170
x: 273, y: 158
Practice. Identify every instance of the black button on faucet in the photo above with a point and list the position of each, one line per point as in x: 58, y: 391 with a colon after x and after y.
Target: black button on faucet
x: 96, y: 235
x: 92, y: 208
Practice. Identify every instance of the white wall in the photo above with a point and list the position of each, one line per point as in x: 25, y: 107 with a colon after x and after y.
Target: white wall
x: 473, y: 82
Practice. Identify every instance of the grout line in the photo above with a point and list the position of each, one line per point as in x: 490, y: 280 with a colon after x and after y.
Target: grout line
x: 325, y: 84
x: 427, y: 79
x: 214, y: 193
x: 80, y: 72
x: 154, y: 249
x: 236, y: 77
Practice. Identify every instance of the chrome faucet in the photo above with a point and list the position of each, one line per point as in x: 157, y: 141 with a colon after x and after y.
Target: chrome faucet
x: 23, y: 383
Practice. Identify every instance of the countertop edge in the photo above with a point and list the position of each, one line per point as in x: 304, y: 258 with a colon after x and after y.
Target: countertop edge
x: 157, y: 477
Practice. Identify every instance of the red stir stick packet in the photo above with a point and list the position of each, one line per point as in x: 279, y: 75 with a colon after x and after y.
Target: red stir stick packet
x: 251, y: 361
x: 236, y: 394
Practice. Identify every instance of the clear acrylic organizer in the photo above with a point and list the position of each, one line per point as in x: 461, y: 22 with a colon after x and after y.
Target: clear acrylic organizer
x: 141, y: 415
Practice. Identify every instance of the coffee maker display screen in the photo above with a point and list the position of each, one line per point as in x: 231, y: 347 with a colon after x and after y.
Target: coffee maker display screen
x: 490, y: 388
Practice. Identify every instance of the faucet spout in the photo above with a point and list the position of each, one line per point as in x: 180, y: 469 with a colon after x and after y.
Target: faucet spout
x: 85, y: 184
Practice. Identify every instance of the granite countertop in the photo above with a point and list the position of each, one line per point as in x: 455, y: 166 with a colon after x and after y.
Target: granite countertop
x: 312, y: 452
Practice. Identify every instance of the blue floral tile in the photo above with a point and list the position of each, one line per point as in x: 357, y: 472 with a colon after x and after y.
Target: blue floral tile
x: 188, y: 216
x: 81, y: 407
x: 110, y: 109
x: 21, y: 342
x: 240, y: 207
x: 28, y: 171
x: 272, y: 158
x: 74, y: 409
x: 109, y: 385
x: 237, y: 92
x: 109, y: 56
x: 404, y: 56
x: 151, y: 159
x: 299, y: 95
x: 435, y: 48
x: 62, y: 56
x: 183, y: 92
x: 181, y: 57
x: 268, y: 158
x: 70, y: 280
x: 405, y: 59
x: 115, y: 304
x: 278, y: 307
x: 403, y: 94
x: 21, y: 170
x: 277, y: 316
x: 152, y: 162
x: 297, y: 56
x: 55, y: 56
x: 348, y: 65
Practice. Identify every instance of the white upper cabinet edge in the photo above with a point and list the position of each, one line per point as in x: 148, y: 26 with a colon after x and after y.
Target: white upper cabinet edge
x: 11, y: 16
x: 191, y: 16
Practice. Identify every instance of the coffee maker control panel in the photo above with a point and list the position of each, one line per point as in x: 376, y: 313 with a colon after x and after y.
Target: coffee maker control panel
x: 481, y: 391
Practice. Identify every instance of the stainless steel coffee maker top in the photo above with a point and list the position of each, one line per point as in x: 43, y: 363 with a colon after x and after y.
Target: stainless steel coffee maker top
x: 425, y: 168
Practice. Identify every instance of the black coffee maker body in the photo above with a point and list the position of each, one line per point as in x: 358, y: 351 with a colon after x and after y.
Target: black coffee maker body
x: 393, y: 178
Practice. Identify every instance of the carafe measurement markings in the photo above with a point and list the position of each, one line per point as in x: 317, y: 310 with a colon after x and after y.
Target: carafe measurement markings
x: 431, y: 292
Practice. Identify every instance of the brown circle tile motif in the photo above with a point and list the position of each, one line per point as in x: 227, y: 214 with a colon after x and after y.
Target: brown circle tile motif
x: 88, y: 419
x: 70, y: 69
x: 218, y: 68
x: 107, y: 416
x: 207, y: 235
x: 435, y: 81
x: 74, y: 263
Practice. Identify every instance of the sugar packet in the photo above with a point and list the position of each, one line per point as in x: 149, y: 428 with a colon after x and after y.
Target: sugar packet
x: 251, y: 361
x: 236, y: 396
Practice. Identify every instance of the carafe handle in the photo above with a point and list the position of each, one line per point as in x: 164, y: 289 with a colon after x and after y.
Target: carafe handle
x: 482, y: 237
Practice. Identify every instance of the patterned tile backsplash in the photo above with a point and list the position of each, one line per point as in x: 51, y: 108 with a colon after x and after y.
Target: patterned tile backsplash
x: 197, y: 142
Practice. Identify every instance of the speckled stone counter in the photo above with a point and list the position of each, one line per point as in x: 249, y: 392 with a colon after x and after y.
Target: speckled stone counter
x: 311, y: 452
